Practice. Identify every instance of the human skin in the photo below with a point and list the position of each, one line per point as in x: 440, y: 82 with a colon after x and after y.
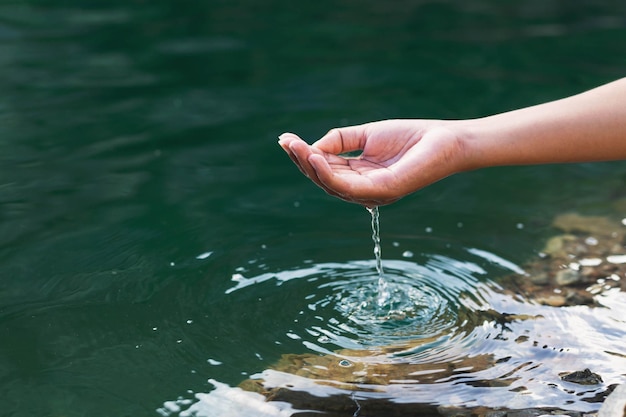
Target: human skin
x: 402, y: 156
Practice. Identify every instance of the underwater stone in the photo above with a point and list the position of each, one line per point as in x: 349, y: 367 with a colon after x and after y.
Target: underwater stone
x: 567, y: 277
x: 574, y: 222
x: 555, y: 246
x: 541, y: 278
x: 552, y: 301
x: 579, y: 298
x: 584, y: 377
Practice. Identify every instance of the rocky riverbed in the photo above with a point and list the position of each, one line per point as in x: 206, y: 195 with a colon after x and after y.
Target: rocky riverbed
x: 585, y: 258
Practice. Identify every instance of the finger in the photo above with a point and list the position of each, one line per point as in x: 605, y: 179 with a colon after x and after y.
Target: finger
x: 375, y: 203
x: 341, y: 140
x: 350, y: 185
x: 319, y: 164
x: 346, y: 184
x: 299, y: 156
x: 301, y: 152
x: 328, y: 179
x: 371, y: 203
x: 294, y: 159
x: 284, y: 141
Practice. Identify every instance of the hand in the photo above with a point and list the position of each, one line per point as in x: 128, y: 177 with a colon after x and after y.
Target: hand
x: 398, y: 157
x: 401, y: 156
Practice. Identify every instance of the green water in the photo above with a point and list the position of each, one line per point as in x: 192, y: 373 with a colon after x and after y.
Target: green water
x: 141, y: 186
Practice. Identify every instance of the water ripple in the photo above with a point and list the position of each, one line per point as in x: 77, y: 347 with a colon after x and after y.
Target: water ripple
x: 423, y: 301
x: 447, y: 334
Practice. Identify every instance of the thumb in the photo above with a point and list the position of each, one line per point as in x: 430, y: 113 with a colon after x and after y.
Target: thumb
x: 341, y: 140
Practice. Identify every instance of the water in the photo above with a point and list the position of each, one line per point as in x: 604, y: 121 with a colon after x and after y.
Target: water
x: 466, y: 342
x: 383, y: 290
x: 376, y: 238
x: 158, y: 249
x: 389, y: 300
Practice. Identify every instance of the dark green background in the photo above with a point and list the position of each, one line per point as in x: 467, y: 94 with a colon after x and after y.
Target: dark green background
x: 136, y: 135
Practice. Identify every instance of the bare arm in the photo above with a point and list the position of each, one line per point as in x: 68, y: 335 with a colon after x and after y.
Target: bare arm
x: 587, y: 127
x: 402, y: 156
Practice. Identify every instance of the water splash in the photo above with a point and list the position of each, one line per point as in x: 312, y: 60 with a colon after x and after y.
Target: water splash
x: 448, y: 336
x: 383, y: 287
x: 421, y: 302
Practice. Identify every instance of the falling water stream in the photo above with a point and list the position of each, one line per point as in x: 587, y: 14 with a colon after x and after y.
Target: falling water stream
x: 383, y: 288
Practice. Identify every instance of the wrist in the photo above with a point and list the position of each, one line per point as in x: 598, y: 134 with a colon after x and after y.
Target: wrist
x: 472, y: 136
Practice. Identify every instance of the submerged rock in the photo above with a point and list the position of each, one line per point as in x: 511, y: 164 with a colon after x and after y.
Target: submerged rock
x: 297, y: 378
x: 575, y: 266
x: 567, y: 277
x: 584, y: 377
x: 347, y: 369
x: 591, y: 225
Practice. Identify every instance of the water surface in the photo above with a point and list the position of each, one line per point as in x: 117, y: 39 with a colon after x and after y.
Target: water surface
x: 142, y: 187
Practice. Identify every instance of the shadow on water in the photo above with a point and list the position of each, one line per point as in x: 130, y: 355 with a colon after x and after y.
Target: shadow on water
x: 159, y: 253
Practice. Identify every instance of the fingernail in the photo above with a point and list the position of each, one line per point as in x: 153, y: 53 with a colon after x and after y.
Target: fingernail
x: 284, y: 135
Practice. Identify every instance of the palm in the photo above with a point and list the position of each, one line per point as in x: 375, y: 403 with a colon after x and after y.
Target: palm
x: 397, y: 158
x: 374, y: 171
x: 378, y: 154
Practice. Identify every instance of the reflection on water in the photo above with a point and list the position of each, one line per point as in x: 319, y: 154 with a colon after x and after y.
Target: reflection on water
x: 448, y: 336
x: 227, y: 401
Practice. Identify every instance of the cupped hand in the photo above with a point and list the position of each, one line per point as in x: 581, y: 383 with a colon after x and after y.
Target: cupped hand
x: 398, y: 157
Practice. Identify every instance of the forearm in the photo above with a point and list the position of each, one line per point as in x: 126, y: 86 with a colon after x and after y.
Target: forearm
x: 590, y: 126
